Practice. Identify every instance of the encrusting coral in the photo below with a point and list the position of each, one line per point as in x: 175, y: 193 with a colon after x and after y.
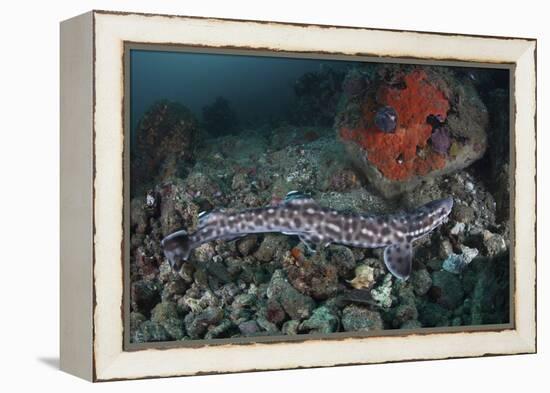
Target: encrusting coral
x: 411, y: 125
x: 396, y: 154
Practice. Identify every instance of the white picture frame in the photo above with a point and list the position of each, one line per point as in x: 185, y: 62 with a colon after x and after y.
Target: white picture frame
x: 92, y: 194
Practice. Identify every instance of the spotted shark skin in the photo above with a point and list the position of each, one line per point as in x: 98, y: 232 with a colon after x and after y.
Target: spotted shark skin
x: 317, y: 226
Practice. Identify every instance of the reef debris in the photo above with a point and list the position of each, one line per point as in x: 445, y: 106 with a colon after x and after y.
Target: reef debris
x: 269, y: 284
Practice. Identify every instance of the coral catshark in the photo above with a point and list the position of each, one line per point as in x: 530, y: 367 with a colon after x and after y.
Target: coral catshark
x: 317, y: 226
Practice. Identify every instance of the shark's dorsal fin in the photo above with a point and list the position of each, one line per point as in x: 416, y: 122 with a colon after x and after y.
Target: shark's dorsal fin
x: 298, y: 198
x: 398, y: 259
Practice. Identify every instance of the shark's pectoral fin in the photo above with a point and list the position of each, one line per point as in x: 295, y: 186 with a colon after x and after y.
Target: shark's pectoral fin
x: 398, y: 259
x: 230, y: 238
x: 177, y: 247
x: 310, y: 243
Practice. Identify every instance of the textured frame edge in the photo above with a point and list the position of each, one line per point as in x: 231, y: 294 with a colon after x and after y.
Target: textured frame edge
x: 76, y: 179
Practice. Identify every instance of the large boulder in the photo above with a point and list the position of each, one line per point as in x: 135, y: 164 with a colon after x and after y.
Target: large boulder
x: 412, y: 124
x: 162, y: 142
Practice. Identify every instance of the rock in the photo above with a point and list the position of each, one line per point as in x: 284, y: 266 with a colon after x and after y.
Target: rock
x: 406, y: 309
x: 274, y: 312
x: 136, y: 319
x: 344, y: 260
x: 311, y: 276
x: 268, y: 326
x: 502, y: 192
x: 355, y: 83
x: 489, y: 294
x: 201, y: 277
x: 435, y: 264
x: 456, y: 263
x: 343, y: 180
x: 249, y: 328
x: 146, y: 265
x: 177, y: 209
x: 239, y: 315
x: 497, y: 166
x: 244, y: 300
x: 204, y: 189
x: 377, y: 264
x: 364, y: 277
x: 174, y: 288
x: 445, y: 248
x: 357, y: 318
x: 411, y: 324
x: 220, y: 331
x: 164, y: 141
x: 468, y: 253
x: 204, y: 253
x: 217, y: 269
x: 440, y: 127
x: 247, y: 245
x: 240, y: 181
x: 166, y: 314
x: 197, y: 325
x: 166, y: 273
x: 290, y: 328
x: 432, y: 315
x: 138, y: 216
x: 186, y: 272
x: 227, y: 293
x: 295, y: 304
x: 421, y: 281
x: 270, y: 246
x: 404, y: 313
x: 144, y: 295
x: 150, y: 331
x: 322, y: 321
x: 446, y: 289
x: 494, y: 243
x: 382, y: 293
x: 463, y: 213
x: 458, y: 228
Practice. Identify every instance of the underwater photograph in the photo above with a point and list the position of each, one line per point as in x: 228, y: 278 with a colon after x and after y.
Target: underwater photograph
x: 287, y: 196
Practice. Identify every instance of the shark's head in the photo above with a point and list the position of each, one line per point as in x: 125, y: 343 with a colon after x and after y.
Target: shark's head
x: 430, y: 216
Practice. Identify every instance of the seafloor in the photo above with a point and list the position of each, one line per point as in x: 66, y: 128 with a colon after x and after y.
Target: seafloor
x: 269, y: 285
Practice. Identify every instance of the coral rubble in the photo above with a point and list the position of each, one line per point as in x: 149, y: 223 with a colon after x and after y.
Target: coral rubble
x: 404, y: 136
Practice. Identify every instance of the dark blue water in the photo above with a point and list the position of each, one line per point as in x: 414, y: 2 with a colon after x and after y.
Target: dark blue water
x: 256, y: 87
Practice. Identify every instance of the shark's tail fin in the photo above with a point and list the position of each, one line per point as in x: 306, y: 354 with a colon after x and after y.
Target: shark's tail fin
x: 177, y: 248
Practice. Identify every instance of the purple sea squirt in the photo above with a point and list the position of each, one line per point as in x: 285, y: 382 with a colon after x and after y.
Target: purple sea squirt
x: 386, y: 119
x: 441, y: 140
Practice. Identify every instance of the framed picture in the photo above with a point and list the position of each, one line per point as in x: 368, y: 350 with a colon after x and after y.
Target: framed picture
x: 245, y: 195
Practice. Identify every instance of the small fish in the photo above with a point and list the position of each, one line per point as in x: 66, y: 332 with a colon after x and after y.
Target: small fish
x: 316, y: 226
